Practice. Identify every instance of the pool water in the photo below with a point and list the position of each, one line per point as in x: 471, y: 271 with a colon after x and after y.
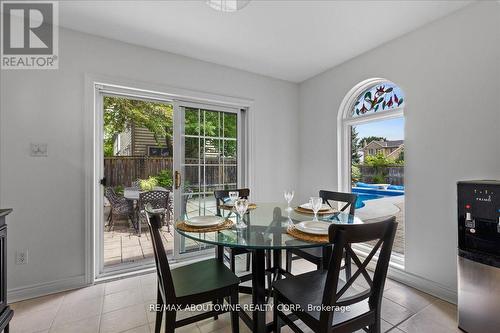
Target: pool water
x: 364, y: 197
x: 370, y: 192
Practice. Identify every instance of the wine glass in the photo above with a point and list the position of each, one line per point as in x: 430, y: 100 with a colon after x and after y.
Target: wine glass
x: 316, y: 203
x: 288, y: 197
x: 233, y: 196
x: 241, y: 207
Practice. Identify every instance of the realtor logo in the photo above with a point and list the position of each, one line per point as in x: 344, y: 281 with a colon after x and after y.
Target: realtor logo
x: 29, y: 35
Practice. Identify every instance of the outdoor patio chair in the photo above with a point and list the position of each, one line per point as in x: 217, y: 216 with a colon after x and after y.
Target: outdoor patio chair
x: 120, y: 207
x: 315, y: 255
x: 159, y: 200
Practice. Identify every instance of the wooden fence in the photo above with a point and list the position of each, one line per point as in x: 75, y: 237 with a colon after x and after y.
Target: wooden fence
x: 393, y: 175
x: 123, y: 170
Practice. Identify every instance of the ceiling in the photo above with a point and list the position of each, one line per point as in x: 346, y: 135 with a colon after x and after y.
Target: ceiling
x: 289, y: 40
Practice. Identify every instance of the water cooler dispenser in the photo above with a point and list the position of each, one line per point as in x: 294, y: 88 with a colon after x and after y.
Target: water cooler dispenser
x: 479, y: 256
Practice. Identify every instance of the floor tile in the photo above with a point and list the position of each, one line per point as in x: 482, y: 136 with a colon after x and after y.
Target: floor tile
x: 394, y: 313
x: 87, y: 325
x: 123, y: 319
x: 32, y: 321
x: 83, y: 293
x: 122, y: 284
x: 37, y: 304
x: 408, y: 297
x: 78, y: 310
x: 121, y: 299
x: 439, y: 316
x: 140, y: 329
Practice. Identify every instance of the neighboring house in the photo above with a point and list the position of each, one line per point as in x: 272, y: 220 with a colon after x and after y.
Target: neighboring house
x: 390, y: 149
x: 138, y: 141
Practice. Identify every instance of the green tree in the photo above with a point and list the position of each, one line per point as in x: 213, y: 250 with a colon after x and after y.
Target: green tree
x: 401, y: 157
x: 355, y: 158
x: 371, y: 138
x: 122, y: 112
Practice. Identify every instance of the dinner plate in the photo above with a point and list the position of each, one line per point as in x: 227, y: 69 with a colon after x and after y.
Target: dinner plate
x: 204, y: 221
x: 313, y: 227
x: 308, y: 206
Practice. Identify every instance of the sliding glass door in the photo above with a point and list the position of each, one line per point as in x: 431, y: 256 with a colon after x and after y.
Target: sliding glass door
x: 147, y: 142
x: 209, y: 148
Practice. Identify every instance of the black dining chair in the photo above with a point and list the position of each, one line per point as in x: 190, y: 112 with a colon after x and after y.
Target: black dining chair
x: 197, y: 283
x: 221, y: 196
x: 315, y: 254
x: 328, y: 303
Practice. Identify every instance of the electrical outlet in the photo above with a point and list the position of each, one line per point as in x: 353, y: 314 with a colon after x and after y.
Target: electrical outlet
x: 22, y: 257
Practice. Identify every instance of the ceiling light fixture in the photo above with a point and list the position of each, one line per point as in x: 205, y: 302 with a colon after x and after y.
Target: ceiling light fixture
x: 227, y: 5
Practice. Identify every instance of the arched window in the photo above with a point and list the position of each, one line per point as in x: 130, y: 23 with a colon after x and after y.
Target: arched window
x: 385, y: 96
x: 371, y: 151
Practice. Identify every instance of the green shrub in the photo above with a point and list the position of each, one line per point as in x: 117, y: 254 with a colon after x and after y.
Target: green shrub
x: 355, y: 174
x: 148, y: 184
x: 378, y: 179
x: 165, y: 178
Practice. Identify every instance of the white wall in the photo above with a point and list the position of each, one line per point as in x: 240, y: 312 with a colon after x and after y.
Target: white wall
x: 450, y: 72
x: 47, y: 194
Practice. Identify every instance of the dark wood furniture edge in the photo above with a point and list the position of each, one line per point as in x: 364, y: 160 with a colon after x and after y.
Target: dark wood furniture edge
x: 5, y: 212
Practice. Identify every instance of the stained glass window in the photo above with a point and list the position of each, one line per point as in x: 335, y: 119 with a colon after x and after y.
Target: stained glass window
x: 382, y: 97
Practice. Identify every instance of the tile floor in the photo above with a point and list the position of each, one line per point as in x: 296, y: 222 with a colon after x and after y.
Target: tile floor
x: 123, y: 306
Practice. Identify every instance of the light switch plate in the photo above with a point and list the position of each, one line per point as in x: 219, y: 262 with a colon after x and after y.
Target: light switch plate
x: 38, y: 149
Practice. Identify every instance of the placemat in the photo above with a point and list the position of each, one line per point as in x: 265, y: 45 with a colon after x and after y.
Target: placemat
x: 181, y: 225
x: 310, y: 212
x: 230, y: 207
x: 294, y: 232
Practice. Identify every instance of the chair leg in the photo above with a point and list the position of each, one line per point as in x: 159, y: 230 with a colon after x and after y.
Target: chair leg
x: 232, y: 261
x: 217, y: 302
x: 170, y: 321
x: 248, y: 261
x: 269, y: 276
x: 375, y: 327
x: 276, y: 318
x: 159, y: 314
x: 235, y: 320
x: 288, y: 261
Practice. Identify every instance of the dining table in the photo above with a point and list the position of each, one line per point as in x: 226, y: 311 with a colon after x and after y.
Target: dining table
x: 133, y: 194
x: 266, y: 231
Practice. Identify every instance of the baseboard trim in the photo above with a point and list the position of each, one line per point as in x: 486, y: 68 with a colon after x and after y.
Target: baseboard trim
x: 427, y: 286
x: 45, y: 288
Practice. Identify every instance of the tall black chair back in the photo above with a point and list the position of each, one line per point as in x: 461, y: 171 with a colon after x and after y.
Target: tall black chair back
x: 348, y: 198
x: 165, y: 281
x: 342, y: 236
x: 221, y: 195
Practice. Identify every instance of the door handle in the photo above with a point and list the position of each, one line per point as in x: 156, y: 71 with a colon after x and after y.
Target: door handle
x: 177, y: 180
x: 103, y: 181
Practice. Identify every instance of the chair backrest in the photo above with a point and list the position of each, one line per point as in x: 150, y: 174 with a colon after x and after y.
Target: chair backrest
x: 348, y: 198
x: 111, y: 195
x: 162, y: 266
x: 221, y: 195
x: 157, y: 199
x: 342, y: 236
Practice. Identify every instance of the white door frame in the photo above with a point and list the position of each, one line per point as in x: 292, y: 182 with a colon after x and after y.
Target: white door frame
x: 93, y: 145
x: 344, y: 124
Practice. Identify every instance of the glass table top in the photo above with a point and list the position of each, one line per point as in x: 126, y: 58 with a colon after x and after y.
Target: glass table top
x: 266, y: 228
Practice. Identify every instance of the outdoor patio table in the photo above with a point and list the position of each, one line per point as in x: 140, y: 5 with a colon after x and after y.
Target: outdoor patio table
x: 132, y: 193
x: 266, y: 230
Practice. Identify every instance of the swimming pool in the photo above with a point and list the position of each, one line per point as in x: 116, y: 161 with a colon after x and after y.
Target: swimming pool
x: 360, y: 201
x: 366, y: 193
